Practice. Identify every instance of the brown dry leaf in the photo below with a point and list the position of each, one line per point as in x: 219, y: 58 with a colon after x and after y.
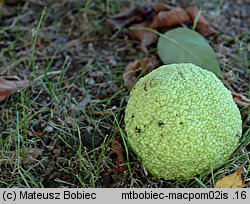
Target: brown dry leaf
x: 119, y: 151
x: 241, y: 100
x: 120, y: 20
x: 8, y: 87
x: 137, y: 15
x: 174, y: 17
x: 233, y: 180
x: 133, y: 15
x: 160, y: 6
x: 202, y: 26
x: 134, y: 69
x: 147, y: 38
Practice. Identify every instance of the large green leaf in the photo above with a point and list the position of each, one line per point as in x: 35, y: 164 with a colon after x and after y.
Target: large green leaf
x: 182, y: 45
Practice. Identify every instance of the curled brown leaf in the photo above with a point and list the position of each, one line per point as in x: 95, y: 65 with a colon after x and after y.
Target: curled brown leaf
x: 202, y: 26
x: 120, y: 20
x: 8, y: 87
x: 137, y: 14
x: 174, y: 17
x: 119, y: 151
x: 160, y: 6
x: 138, y: 68
x: 146, y: 38
x: 132, y: 15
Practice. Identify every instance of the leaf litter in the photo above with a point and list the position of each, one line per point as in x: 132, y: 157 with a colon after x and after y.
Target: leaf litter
x: 118, y: 150
x: 163, y: 16
x: 234, y: 180
x: 168, y: 19
x: 10, y: 85
x: 202, y: 26
x: 146, y: 38
x: 158, y: 15
x: 241, y: 100
x: 137, y: 69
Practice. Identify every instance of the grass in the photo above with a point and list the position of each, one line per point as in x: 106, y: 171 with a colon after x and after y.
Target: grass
x: 59, y: 131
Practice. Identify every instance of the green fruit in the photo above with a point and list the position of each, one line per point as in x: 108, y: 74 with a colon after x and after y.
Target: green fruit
x: 182, y: 121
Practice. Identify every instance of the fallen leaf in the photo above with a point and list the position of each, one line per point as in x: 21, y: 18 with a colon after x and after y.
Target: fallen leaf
x: 232, y: 181
x: 146, y: 38
x: 120, y: 20
x: 139, y: 67
x: 183, y: 45
x: 160, y: 6
x: 133, y: 15
x: 137, y: 14
x: 119, y: 151
x: 241, y: 100
x: 202, y: 26
x: 8, y: 87
x: 174, y: 17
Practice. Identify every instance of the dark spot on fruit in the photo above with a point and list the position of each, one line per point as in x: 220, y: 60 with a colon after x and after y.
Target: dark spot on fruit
x: 181, y: 75
x: 181, y: 123
x: 132, y: 116
x: 238, y: 135
x: 161, y: 124
x: 145, y: 87
x: 137, y: 130
x: 204, y: 136
x: 161, y: 135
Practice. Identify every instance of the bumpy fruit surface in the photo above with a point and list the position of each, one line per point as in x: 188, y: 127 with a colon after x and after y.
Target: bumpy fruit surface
x: 182, y: 121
